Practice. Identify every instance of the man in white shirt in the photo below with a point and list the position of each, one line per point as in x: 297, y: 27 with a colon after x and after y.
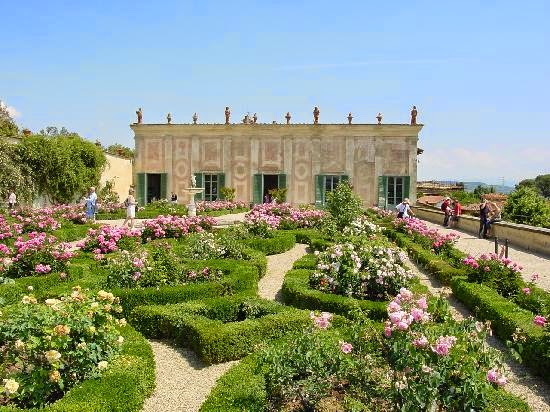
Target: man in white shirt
x: 404, y: 209
x: 12, y: 200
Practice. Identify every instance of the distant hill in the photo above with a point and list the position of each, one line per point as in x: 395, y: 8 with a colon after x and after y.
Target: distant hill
x: 470, y: 186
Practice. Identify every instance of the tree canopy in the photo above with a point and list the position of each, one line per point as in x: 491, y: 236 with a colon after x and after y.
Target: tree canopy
x: 526, y: 205
x: 7, y: 125
x: 541, y: 183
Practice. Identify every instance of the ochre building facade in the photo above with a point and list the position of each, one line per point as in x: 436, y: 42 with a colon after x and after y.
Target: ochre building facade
x: 309, y: 160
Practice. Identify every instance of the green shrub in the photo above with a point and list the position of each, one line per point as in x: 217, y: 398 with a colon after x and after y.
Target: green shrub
x: 220, y: 329
x: 525, y: 205
x: 123, y: 387
x: 510, y: 323
x: 344, y: 205
x: 279, y: 243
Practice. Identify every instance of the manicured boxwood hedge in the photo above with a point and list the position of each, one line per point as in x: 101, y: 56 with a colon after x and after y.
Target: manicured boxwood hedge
x: 216, y: 328
x: 243, y: 389
x: 506, y: 317
x: 279, y: 243
x: 297, y: 292
x: 242, y: 278
x: 128, y: 381
x: 313, y: 238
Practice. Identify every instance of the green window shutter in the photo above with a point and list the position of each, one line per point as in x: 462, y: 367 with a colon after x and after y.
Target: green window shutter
x: 406, y: 186
x: 163, y: 184
x: 141, y: 188
x: 199, y: 180
x: 319, y: 190
x: 382, y: 190
x: 221, y: 183
x: 281, y: 184
x: 257, y: 187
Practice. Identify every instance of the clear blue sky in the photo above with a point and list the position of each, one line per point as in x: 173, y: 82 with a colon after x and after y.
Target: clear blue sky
x: 479, y: 72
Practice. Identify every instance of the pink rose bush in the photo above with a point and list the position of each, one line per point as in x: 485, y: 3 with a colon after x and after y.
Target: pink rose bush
x: 421, y: 233
x: 209, y: 206
x: 364, y: 271
x: 49, y: 347
x: 175, y: 227
x: 37, y: 253
x: 427, y: 355
x: 108, y: 239
x: 501, y: 274
x: 270, y: 216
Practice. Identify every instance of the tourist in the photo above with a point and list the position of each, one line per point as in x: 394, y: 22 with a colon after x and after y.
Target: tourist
x: 174, y: 198
x: 483, y: 218
x: 267, y: 198
x: 91, y: 204
x: 446, y: 208
x: 457, y: 211
x: 404, y: 209
x: 493, y: 216
x: 12, y: 200
x: 130, y: 205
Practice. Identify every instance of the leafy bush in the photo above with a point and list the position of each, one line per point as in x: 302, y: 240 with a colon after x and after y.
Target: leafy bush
x: 49, y: 348
x: 39, y: 254
x: 429, y: 238
x: 209, y: 246
x: 503, y: 275
x: 372, y: 271
x: 228, y: 193
x: 344, y: 205
x: 159, y: 267
x: 270, y: 216
x: 280, y: 242
x: 525, y: 205
x: 279, y: 195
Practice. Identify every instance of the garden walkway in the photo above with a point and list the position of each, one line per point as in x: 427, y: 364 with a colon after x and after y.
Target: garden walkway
x: 532, y: 263
x: 183, y: 381
x: 521, y: 382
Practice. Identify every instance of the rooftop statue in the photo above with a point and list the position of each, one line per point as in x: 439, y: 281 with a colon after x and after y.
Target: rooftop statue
x: 195, y: 118
x: 379, y: 118
x: 227, y: 114
x: 254, y: 118
x: 139, y: 113
x: 414, y: 113
x: 169, y: 118
x: 316, y: 112
x: 288, y: 117
x: 350, y: 118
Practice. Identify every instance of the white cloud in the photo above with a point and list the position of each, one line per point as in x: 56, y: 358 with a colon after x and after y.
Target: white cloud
x: 13, y: 112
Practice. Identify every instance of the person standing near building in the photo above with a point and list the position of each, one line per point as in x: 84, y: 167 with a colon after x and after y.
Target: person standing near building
x: 404, y: 209
x: 457, y: 211
x: 174, y: 198
x: 483, y: 218
x: 91, y: 204
x: 130, y: 205
x: 12, y: 200
x: 446, y: 208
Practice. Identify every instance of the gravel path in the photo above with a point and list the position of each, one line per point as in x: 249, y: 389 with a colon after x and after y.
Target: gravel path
x: 183, y: 381
x: 270, y: 285
x: 532, y: 263
x: 521, y: 382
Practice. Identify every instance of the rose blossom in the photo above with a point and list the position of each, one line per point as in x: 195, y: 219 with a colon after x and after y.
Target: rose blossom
x: 527, y: 291
x: 346, y: 347
x: 539, y: 320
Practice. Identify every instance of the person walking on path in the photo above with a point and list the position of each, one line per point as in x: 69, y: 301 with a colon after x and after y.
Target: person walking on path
x: 404, y: 209
x: 483, y: 218
x: 91, y: 204
x: 457, y: 211
x: 446, y: 208
x: 130, y: 205
x: 12, y: 200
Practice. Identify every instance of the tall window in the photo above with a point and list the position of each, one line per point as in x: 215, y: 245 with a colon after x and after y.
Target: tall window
x: 395, y: 190
x: 331, y: 182
x: 210, y: 187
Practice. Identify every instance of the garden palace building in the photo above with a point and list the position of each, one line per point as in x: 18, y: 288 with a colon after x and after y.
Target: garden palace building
x: 308, y: 159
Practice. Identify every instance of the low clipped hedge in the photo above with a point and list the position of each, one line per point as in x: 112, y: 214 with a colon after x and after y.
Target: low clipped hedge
x: 313, y: 238
x: 123, y: 387
x: 506, y: 317
x: 243, y: 389
x: 216, y: 328
x: 279, y: 243
x: 242, y: 278
x: 297, y: 292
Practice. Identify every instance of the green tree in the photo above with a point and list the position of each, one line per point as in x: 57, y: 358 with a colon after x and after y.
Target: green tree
x: 481, y: 190
x: 526, y: 183
x: 120, y: 150
x: 543, y: 184
x: 63, y: 166
x: 525, y: 205
x: 344, y: 205
x: 14, y: 174
x: 7, y: 125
